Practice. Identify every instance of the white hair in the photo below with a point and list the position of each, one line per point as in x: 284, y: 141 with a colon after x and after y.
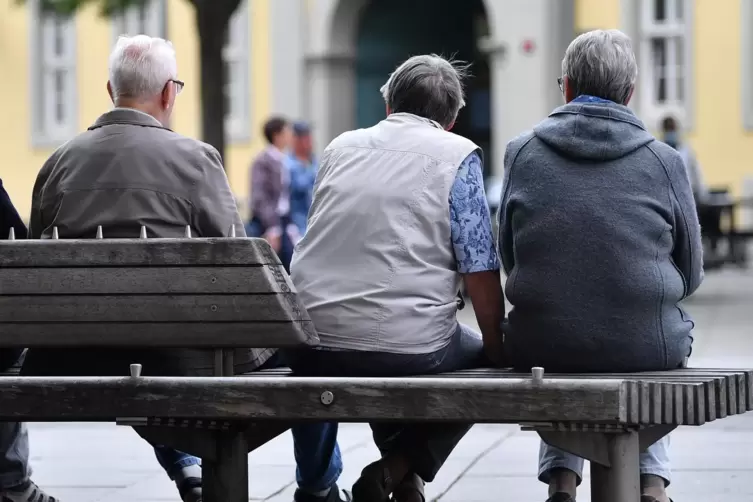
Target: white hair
x: 140, y: 66
x: 601, y: 63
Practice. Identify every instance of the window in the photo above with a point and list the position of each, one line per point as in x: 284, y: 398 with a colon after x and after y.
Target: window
x: 54, y: 105
x: 235, y: 55
x: 147, y: 19
x: 665, y: 56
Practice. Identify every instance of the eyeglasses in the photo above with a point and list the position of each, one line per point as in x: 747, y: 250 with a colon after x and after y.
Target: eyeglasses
x: 179, y: 85
x: 561, y: 83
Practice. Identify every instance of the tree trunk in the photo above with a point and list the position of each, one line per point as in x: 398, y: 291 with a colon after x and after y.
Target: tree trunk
x: 212, y: 20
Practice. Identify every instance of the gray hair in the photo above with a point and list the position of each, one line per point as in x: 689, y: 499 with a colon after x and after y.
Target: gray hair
x: 140, y: 66
x: 601, y: 63
x: 429, y: 86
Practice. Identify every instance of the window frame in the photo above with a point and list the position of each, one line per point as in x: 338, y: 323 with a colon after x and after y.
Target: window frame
x: 651, y: 111
x: 746, y: 53
x: 45, y: 62
x: 156, y: 21
x: 236, y: 51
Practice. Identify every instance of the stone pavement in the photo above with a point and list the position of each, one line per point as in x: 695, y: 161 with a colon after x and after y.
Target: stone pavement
x: 102, y: 462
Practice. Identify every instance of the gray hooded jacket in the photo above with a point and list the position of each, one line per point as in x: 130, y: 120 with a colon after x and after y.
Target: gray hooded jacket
x: 599, y: 237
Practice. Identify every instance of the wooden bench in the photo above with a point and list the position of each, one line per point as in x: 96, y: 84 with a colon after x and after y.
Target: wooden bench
x: 225, y: 293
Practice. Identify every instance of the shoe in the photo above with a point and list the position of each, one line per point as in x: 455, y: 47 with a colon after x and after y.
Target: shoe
x: 374, y: 485
x: 28, y: 492
x: 408, y: 488
x: 649, y: 498
x: 562, y: 497
x: 190, y: 489
x: 334, y: 495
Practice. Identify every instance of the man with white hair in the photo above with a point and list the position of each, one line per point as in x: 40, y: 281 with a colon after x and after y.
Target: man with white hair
x: 126, y: 171
x: 399, y: 219
x: 600, y: 242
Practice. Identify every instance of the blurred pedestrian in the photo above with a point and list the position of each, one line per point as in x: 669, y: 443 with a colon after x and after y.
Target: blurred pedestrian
x: 600, y: 242
x: 710, y: 216
x: 302, y: 167
x: 270, y: 192
x: 671, y: 136
x: 15, y: 484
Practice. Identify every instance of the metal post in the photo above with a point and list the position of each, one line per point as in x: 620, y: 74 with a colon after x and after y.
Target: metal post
x: 621, y: 481
x: 226, y: 478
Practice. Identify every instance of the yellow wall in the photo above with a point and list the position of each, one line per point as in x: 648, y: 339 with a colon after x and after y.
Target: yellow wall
x: 595, y: 14
x: 20, y: 162
x: 724, y: 148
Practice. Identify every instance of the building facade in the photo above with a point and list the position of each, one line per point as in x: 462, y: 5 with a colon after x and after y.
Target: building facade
x: 325, y: 60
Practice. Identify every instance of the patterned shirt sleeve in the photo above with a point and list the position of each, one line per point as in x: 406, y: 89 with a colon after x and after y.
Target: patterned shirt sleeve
x: 470, y: 220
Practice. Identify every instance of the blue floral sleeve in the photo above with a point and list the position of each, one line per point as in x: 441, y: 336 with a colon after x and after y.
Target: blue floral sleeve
x: 470, y: 220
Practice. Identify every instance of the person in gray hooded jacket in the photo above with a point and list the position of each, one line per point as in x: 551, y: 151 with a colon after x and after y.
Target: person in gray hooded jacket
x: 600, y: 241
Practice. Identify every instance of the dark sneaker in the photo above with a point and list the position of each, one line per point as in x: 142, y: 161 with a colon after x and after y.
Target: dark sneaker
x: 649, y: 498
x: 561, y: 497
x: 27, y: 492
x: 334, y: 495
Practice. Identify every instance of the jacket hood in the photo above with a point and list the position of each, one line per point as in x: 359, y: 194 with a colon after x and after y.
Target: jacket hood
x: 594, y: 131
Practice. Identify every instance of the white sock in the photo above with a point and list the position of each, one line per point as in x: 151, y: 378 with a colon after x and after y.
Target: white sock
x: 191, y: 471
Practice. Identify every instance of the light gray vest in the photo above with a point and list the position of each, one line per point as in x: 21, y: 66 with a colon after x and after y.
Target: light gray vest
x: 376, y: 269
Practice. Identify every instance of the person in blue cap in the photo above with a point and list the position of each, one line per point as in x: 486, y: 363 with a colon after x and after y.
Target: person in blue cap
x: 302, y: 167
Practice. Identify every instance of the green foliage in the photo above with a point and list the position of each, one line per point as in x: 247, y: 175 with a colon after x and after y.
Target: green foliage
x: 107, y: 7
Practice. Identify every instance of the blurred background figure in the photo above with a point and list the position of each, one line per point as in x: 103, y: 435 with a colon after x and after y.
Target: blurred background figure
x: 302, y: 168
x: 709, y: 214
x: 671, y: 136
x: 270, y: 192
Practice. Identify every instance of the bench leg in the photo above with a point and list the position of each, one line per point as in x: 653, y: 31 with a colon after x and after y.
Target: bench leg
x: 621, y: 481
x: 226, y: 478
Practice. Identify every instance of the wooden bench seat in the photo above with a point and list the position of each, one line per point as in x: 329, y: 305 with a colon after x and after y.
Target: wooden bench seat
x: 223, y: 294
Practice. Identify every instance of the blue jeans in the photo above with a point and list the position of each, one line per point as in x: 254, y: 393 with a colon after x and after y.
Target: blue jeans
x: 173, y: 461
x: 654, y: 461
x: 427, y: 446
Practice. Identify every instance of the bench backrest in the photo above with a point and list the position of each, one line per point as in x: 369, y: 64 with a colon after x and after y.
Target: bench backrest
x: 201, y: 293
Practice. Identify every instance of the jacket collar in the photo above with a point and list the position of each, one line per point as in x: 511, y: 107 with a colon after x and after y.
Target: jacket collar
x: 409, y: 118
x: 601, y: 109
x: 127, y: 116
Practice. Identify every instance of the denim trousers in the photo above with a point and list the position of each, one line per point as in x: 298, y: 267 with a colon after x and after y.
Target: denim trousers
x: 427, y: 446
x: 653, y: 461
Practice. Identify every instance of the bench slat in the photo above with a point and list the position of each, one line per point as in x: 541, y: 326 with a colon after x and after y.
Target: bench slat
x: 148, y: 308
x: 135, y: 252
x: 294, y: 398
x: 159, y: 335
x: 139, y: 280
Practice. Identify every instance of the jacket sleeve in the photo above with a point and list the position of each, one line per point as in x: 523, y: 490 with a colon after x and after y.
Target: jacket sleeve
x: 505, y: 211
x: 215, y: 208
x: 9, y: 217
x: 37, y: 224
x: 265, y: 192
x: 688, y: 249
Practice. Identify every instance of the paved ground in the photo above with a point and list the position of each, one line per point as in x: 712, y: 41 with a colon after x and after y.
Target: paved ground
x: 88, y: 463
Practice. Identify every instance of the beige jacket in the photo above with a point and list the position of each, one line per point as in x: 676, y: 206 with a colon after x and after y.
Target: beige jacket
x: 376, y: 268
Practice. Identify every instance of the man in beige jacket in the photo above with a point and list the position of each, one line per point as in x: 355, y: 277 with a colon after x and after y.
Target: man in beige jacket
x: 126, y: 171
